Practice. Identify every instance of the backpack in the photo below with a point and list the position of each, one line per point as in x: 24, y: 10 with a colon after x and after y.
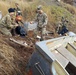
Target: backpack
x: 20, y: 30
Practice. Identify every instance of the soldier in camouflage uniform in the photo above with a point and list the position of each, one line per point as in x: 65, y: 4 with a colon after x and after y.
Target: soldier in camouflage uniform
x: 59, y: 27
x: 64, y: 21
x: 62, y: 27
x: 17, y: 9
x: 7, y: 23
x: 18, y: 14
x: 41, y: 19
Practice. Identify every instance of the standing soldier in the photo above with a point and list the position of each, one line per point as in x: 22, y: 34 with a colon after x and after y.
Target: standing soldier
x: 7, y: 23
x: 19, y: 17
x: 41, y: 19
x: 17, y: 9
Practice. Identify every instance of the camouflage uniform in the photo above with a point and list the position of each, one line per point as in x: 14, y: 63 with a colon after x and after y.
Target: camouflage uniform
x: 64, y: 21
x: 62, y: 24
x: 18, y: 14
x: 6, y: 24
x: 18, y: 10
x: 62, y: 27
x: 59, y: 27
x: 41, y: 19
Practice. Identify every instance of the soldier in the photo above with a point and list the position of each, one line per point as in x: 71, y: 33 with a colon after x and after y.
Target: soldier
x: 17, y: 9
x: 59, y: 27
x: 64, y: 22
x: 41, y: 19
x: 7, y: 23
x: 62, y: 28
x: 19, y: 17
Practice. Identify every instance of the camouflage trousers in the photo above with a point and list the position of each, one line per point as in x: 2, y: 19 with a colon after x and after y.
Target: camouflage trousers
x: 5, y: 31
x: 40, y: 31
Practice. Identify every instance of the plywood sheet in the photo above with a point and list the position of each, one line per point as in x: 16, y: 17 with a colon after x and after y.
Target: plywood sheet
x: 61, y: 59
x: 68, y: 55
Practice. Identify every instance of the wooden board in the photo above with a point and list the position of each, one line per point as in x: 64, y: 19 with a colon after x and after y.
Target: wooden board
x: 69, y: 56
x: 74, y: 43
x: 61, y: 59
x: 72, y: 48
x: 22, y: 43
x: 59, y: 69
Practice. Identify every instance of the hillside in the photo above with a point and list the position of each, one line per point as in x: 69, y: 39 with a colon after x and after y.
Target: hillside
x: 14, y: 57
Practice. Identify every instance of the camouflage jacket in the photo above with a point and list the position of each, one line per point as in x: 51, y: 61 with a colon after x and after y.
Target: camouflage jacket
x: 18, y: 10
x: 41, y: 19
x: 7, y: 21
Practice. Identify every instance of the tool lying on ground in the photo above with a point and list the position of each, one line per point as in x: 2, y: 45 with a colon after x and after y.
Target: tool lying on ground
x: 19, y: 42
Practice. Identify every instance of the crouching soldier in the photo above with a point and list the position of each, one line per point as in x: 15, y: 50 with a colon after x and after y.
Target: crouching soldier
x: 62, y: 27
x: 7, y: 23
x: 41, y: 19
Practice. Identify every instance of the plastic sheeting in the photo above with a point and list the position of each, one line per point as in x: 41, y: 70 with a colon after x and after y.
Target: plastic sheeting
x: 29, y: 26
x: 71, y: 33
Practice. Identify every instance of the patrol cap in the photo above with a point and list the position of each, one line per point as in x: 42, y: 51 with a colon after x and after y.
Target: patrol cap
x: 11, y: 10
x: 39, y: 7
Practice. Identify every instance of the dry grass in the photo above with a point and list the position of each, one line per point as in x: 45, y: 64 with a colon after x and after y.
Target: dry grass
x: 13, y: 57
x: 4, y: 5
x: 9, y: 60
x: 69, y: 7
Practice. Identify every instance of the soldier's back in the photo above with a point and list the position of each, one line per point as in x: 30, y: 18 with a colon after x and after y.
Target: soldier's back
x: 4, y: 20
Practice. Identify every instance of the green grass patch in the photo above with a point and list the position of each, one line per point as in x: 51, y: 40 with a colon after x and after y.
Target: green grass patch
x: 58, y: 12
